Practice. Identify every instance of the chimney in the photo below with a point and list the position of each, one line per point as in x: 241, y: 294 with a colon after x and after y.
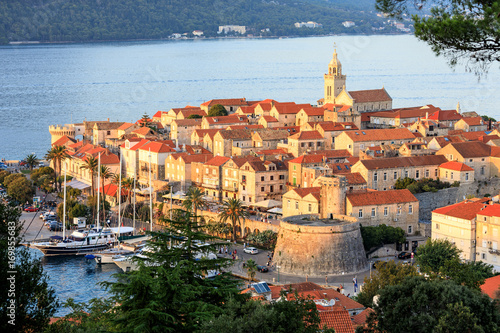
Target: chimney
x: 108, y: 120
x: 427, y: 115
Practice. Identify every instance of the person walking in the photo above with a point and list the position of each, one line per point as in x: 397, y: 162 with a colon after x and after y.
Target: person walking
x: 326, y: 279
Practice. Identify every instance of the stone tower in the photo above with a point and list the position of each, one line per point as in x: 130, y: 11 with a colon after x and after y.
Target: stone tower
x: 58, y: 131
x: 334, y: 80
x: 333, y: 195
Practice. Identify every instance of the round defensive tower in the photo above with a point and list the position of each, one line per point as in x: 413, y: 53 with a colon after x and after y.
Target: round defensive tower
x: 311, y: 246
x: 58, y: 131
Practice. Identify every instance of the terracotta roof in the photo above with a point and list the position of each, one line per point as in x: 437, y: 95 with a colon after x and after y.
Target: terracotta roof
x: 305, y: 159
x: 259, y: 165
x: 401, y: 113
x: 466, y: 210
x: 109, y: 159
x: 290, y: 129
x: 239, y: 161
x: 138, y: 145
x: 63, y: 140
x: 337, y: 318
x: 157, y: 147
x: 143, y: 131
x: 445, y: 115
x: 473, y: 121
x: 238, y: 134
x: 277, y: 151
x: 202, y: 132
x: 456, y: 166
x: 271, y: 134
x: 112, y: 190
x: 470, y: 149
x: 188, y: 112
x: 247, y: 126
x: 400, y: 162
x: 303, y: 191
x: 177, y: 110
x: 289, y: 108
x: 491, y: 286
x: 108, y: 125
x: 126, y: 125
x: 307, y: 135
x: 360, y: 318
x: 247, y: 109
x: 341, y: 168
x: 491, y: 210
x: 333, y: 153
x: 312, y: 111
x: 188, y: 122
x: 329, y: 294
x: 196, y: 158
x: 355, y: 178
x: 374, y: 95
x: 471, y: 136
x: 388, y: 135
x: 217, y: 160
x: 380, y: 197
x: 226, y: 102
x: 329, y: 126
x: 270, y: 119
x: 158, y: 114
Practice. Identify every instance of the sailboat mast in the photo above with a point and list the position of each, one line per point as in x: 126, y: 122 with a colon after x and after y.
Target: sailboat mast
x: 120, y: 196
x: 150, y: 194
x: 64, y: 205
x: 98, y: 187
x: 135, y: 178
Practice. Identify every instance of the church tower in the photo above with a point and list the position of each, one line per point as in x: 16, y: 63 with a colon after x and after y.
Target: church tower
x: 334, y: 80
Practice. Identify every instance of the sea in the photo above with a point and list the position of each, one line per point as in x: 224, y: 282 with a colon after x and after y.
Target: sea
x: 49, y: 84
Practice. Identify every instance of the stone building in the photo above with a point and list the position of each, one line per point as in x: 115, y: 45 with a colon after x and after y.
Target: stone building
x: 474, y: 154
x: 305, y: 142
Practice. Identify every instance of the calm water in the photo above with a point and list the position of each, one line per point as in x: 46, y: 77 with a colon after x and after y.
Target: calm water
x: 50, y: 84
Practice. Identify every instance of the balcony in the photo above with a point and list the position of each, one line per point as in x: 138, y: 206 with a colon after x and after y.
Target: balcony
x: 493, y: 251
x: 210, y: 185
x: 230, y: 188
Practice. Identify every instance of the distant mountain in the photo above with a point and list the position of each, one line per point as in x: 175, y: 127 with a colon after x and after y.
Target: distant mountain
x: 94, y: 20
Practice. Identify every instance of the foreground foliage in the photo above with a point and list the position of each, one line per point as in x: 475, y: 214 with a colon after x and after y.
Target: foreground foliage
x: 380, y: 235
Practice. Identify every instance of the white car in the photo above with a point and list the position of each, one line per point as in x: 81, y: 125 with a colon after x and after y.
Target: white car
x: 251, y: 250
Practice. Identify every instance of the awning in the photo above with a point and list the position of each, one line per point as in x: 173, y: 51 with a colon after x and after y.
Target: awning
x: 275, y: 211
x: 268, y: 204
x: 77, y: 184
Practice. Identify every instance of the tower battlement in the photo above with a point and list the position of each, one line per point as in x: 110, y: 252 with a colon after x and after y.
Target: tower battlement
x: 58, y: 131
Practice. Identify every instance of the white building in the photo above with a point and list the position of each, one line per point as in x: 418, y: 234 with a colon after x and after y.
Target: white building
x: 241, y: 29
x: 309, y: 24
x: 348, y: 24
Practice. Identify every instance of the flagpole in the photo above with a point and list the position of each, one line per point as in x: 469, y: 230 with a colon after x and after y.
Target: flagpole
x: 150, y: 194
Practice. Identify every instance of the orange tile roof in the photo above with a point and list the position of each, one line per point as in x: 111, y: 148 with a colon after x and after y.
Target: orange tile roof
x: 400, y: 162
x: 188, y: 122
x: 360, y: 318
x: 312, y: 111
x: 196, y: 158
x: 112, y: 190
x: 217, y: 160
x: 331, y: 126
x: 338, y: 319
x: 202, y: 132
x: 247, y: 109
x: 388, y: 135
x: 158, y: 114
x: 307, y: 135
x: 305, y: 159
x: 233, y: 127
x: 126, y: 125
x: 456, y: 166
x: 329, y: 294
x: 288, y: 108
x: 109, y: 159
x: 188, y: 112
x: 471, y: 136
x: 470, y: 149
x: 466, y: 210
x: 355, y: 178
x: 473, y: 121
x: 333, y: 153
x: 63, y: 140
x: 227, y: 119
x: 491, y: 286
x: 373, y: 95
x: 157, y: 147
x: 188, y: 107
x: 491, y: 210
x: 270, y: 119
x: 143, y: 131
x: 290, y: 129
x: 226, y: 102
x: 303, y: 191
x: 381, y: 197
x: 137, y: 145
x: 277, y: 151
x: 445, y: 115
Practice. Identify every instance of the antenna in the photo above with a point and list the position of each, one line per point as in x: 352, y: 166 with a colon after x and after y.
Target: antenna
x: 332, y: 302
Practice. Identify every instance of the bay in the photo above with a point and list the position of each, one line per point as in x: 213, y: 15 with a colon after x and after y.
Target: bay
x: 46, y: 84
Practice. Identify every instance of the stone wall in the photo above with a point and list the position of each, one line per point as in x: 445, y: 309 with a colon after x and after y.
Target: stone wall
x: 319, y: 247
x: 432, y: 200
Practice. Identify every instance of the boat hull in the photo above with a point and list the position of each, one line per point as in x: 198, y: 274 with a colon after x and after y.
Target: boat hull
x: 52, y: 250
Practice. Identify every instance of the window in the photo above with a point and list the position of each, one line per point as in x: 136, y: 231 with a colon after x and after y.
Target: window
x: 243, y: 187
x: 283, y: 176
x: 466, y: 176
x: 309, y: 207
x: 294, y: 167
x: 395, y: 175
x: 437, y: 226
x: 399, y: 210
x: 244, y: 198
x: 410, y: 209
x: 288, y: 203
x: 483, y: 256
x: 360, y: 213
x: 375, y: 177
x: 271, y: 188
x: 296, y: 205
x: 281, y: 187
x: 386, y: 211
x: 272, y: 177
x: 406, y: 174
x: 417, y: 174
x: 427, y: 173
x: 410, y: 229
x: 446, y: 174
x: 262, y: 178
x: 451, y: 175
x: 385, y: 175
x: 373, y: 212
x: 435, y: 172
x: 482, y: 170
x: 470, y: 160
x: 262, y: 189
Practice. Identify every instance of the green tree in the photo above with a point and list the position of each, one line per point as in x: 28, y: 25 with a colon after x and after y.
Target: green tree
x: 91, y: 163
x: 105, y: 173
x: 217, y: 110
x: 3, y: 174
x: 458, y: 29
x: 469, y: 274
x: 144, y: 120
x: 31, y: 161
x: 421, y: 305
x: 458, y: 318
x: 26, y: 291
x: 57, y: 155
x: 382, y: 234
x: 233, y: 211
x: 387, y: 274
x: 296, y: 315
x: 40, y: 175
x: 194, y: 116
x: 11, y: 178
x: 21, y: 190
x: 194, y: 200
x: 251, y: 267
x: 435, y: 253
x: 168, y: 293
x: 403, y: 183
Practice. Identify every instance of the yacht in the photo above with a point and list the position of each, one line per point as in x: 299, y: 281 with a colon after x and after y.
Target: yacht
x: 126, y: 248
x: 82, y: 241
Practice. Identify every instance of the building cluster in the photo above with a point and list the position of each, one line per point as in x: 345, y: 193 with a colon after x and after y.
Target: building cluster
x: 286, y: 151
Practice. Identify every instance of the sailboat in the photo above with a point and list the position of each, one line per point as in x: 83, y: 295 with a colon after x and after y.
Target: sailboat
x: 82, y: 241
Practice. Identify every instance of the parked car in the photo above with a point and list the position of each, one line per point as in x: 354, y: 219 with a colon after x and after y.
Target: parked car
x: 251, y: 250
x: 30, y: 209
x: 404, y: 255
x: 262, y: 269
x: 56, y: 226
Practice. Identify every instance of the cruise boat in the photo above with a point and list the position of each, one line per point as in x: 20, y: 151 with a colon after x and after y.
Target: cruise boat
x: 83, y: 241
x: 127, y: 247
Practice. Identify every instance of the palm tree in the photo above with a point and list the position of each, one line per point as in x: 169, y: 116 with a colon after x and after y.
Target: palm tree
x: 194, y: 200
x: 57, y: 154
x: 251, y: 267
x: 233, y: 210
x: 91, y: 164
x: 105, y: 174
x: 31, y: 161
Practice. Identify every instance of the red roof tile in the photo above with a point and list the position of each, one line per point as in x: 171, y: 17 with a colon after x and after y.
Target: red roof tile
x: 307, y: 135
x: 217, y: 160
x: 373, y: 95
x: 270, y: 119
x: 388, y: 135
x: 305, y: 159
x: 398, y: 162
x: 491, y: 210
x: 456, y: 166
x: 157, y: 147
x: 235, y: 119
x: 491, y: 286
x: 360, y: 318
x: 473, y: 121
x: 338, y: 319
x: 63, y: 140
x: 303, y: 191
x: 381, y: 197
x: 445, y: 115
x: 226, y: 102
x: 466, y: 210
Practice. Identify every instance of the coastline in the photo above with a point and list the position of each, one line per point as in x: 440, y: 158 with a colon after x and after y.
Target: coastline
x: 22, y: 43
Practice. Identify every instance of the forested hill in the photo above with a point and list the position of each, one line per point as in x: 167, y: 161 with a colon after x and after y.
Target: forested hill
x: 93, y: 20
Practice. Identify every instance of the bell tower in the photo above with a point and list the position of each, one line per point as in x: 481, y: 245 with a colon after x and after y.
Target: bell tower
x: 334, y: 80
